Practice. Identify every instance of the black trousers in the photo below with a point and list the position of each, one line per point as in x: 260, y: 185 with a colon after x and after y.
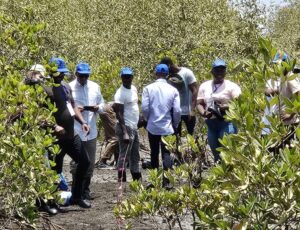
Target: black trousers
x: 189, y: 123
x: 156, y: 143
x: 74, y: 148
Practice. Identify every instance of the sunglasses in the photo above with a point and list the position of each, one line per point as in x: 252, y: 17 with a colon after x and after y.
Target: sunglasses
x: 83, y: 75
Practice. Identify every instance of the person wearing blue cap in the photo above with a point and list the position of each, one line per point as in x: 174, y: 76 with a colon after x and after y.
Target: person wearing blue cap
x: 90, y: 102
x: 69, y: 142
x: 127, y: 113
x: 284, y: 89
x: 161, y: 109
x: 184, y: 80
x: 212, y: 103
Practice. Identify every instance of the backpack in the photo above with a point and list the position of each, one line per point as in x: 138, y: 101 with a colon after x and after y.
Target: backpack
x: 176, y: 80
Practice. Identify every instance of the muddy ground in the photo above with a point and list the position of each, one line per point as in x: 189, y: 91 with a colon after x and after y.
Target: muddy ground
x: 101, y: 216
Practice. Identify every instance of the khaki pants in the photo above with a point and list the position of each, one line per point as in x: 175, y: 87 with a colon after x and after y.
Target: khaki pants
x: 110, y: 148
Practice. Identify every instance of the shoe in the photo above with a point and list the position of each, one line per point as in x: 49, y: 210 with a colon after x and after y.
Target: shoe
x: 56, y: 206
x: 166, y: 184
x: 102, y: 165
x: 46, y: 208
x: 136, y: 176
x: 88, y: 197
x: 82, y: 203
x: 149, y: 186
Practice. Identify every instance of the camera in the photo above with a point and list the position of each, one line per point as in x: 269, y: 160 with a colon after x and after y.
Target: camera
x: 214, y: 108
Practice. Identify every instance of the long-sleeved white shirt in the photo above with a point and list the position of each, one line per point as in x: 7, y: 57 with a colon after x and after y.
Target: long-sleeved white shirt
x: 87, y: 95
x: 161, y: 107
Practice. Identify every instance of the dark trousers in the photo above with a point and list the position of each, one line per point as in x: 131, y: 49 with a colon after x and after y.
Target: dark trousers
x: 189, y: 123
x: 74, y: 148
x: 156, y: 143
x: 90, y: 148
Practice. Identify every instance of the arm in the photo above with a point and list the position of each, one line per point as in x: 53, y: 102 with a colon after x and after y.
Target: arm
x: 201, y: 109
x: 193, y: 88
x: 270, y: 92
x: 176, y: 110
x: 145, y: 104
x: 79, y: 117
x: 294, y: 86
x: 119, y: 110
x: 272, y: 88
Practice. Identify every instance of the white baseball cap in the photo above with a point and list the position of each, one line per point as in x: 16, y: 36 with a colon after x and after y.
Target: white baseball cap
x: 39, y: 68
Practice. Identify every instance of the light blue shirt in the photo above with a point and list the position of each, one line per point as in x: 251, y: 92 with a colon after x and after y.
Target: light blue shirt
x: 89, y: 94
x: 161, y: 107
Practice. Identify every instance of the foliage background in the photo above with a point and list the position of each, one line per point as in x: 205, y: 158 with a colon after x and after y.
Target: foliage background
x: 137, y: 33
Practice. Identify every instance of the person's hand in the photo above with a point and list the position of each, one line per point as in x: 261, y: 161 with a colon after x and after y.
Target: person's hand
x: 95, y: 108
x: 286, y: 116
x: 59, y: 130
x: 85, y: 128
x: 223, y: 107
x: 207, y: 114
x: 125, y: 138
x: 80, y: 108
x: 107, y: 107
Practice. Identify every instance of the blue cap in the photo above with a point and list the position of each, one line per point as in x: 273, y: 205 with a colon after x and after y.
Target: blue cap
x: 83, y: 68
x: 218, y: 62
x: 162, y: 68
x: 280, y: 56
x: 126, y: 71
x: 61, y: 65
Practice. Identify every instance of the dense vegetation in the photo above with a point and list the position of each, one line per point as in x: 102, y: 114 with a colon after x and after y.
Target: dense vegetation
x: 110, y: 34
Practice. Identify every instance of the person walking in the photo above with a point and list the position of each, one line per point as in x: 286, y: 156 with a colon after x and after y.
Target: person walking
x: 127, y: 113
x: 186, y: 84
x: 89, y: 101
x: 213, y: 99
x: 68, y: 141
x: 161, y: 110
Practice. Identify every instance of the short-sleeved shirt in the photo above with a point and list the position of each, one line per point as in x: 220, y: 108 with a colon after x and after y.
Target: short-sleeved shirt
x: 88, y: 94
x: 129, y: 98
x: 223, y: 93
x: 286, y: 91
x: 188, y: 77
x: 61, y: 95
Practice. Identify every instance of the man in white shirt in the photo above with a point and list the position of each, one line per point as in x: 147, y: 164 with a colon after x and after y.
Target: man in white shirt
x: 161, y: 109
x: 187, y: 91
x: 127, y: 112
x: 88, y: 98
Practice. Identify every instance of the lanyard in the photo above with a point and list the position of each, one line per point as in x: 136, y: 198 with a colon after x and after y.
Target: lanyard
x: 216, y: 87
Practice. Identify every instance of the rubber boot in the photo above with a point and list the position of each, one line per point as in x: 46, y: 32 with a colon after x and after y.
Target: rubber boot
x: 136, y: 176
x: 122, y: 176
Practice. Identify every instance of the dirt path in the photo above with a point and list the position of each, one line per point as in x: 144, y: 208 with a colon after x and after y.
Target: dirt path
x: 101, y: 216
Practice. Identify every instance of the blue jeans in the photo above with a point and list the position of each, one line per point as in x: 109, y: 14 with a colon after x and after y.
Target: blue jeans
x: 216, y: 130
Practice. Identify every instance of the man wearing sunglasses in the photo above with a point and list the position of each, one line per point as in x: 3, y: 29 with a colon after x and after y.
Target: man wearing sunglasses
x: 69, y: 142
x: 127, y: 113
x: 89, y: 100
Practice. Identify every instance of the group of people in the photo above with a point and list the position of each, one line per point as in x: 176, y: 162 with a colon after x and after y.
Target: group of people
x: 171, y: 99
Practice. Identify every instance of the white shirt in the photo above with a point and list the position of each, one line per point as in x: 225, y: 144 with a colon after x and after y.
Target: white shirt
x: 87, y: 95
x: 161, y: 107
x: 129, y: 98
x: 223, y: 93
x: 188, y: 77
x: 286, y: 91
